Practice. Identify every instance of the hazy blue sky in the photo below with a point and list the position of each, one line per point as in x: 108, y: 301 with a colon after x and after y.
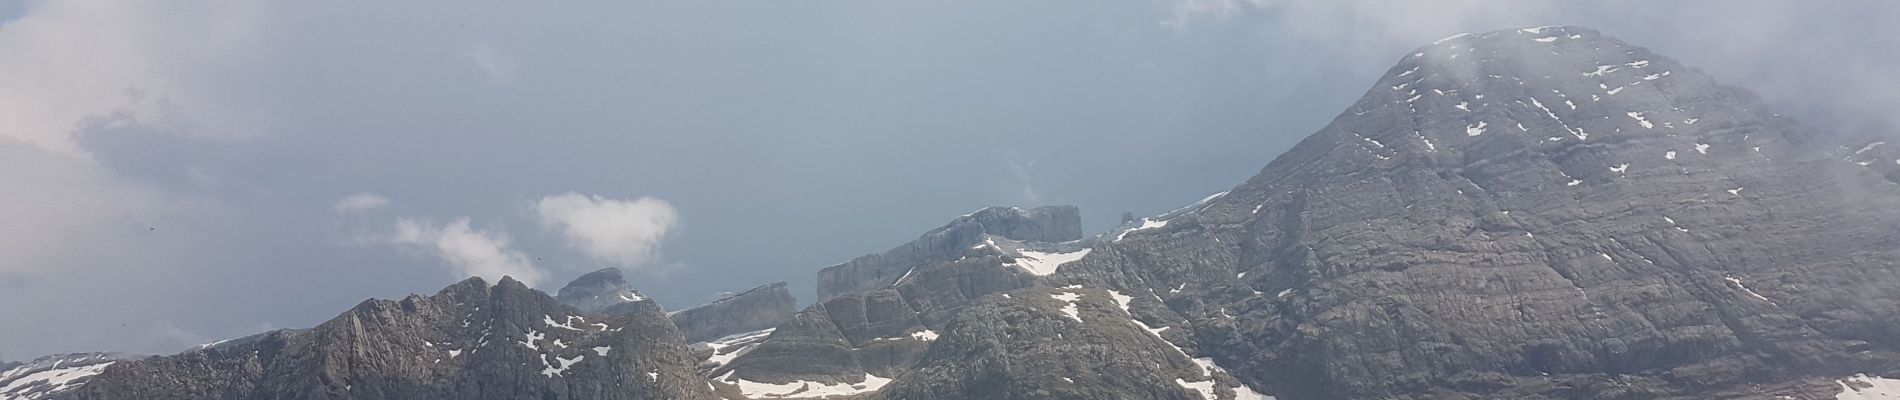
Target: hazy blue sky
x: 180, y: 171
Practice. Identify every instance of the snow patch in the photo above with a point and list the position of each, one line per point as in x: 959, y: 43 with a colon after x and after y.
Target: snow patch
x: 1702, y: 148
x: 1041, y: 263
x: 559, y: 366
x: 1475, y: 130
x: 804, y: 389
x: 567, y: 324
x: 533, y: 336
x: 1640, y: 120
x: 924, y: 335
x: 1070, y: 309
x: 1622, y: 168
x: 1751, y: 293
x: 1121, y: 300
x: 56, y: 380
x: 1449, y: 38
x: 1146, y: 223
x: 1669, y: 155
x: 744, y: 341
x: 1863, y: 387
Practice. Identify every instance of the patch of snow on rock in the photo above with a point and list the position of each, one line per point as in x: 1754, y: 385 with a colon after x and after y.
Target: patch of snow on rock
x: 1863, y: 387
x: 804, y: 389
x: 1041, y: 263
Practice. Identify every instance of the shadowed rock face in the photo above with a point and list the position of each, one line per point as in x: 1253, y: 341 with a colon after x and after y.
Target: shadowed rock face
x: 470, y: 341
x: 759, y: 308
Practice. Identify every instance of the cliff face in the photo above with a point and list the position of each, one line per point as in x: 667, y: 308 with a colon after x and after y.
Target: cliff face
x: 759, y: 308
x: 469, y: 341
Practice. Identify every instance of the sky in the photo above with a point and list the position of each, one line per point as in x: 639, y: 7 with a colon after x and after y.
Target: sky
x: 174, y: 172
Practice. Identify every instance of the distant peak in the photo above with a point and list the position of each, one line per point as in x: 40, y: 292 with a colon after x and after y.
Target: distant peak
x: 598, y: 290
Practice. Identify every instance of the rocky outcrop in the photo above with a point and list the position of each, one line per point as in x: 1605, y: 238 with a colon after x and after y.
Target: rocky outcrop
x: 759, y: 308
x: 948, y: 243
x: 469, y: 341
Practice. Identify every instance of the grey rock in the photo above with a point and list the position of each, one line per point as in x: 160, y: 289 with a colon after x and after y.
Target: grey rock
x: 759, y: 308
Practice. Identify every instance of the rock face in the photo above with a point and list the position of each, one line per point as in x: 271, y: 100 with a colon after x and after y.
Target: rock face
x: 51, y: 377
x: 470, y: 341
x: 759, y: 308
x: 949, y: 242
x: 596, y: 292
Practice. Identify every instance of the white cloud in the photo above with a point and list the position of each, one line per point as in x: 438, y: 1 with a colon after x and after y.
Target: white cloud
x: 364, y: 201
x: 471, y: 252
x: 627, y: 232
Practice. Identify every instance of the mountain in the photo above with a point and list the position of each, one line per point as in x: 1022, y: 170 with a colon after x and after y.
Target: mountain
x: 1537, y: 213
x: 471, y: 340
x: 1544, y: 213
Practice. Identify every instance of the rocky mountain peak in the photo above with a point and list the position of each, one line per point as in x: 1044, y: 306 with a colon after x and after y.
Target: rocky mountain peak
x: 595, y: 292
x: 1473, y: 98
